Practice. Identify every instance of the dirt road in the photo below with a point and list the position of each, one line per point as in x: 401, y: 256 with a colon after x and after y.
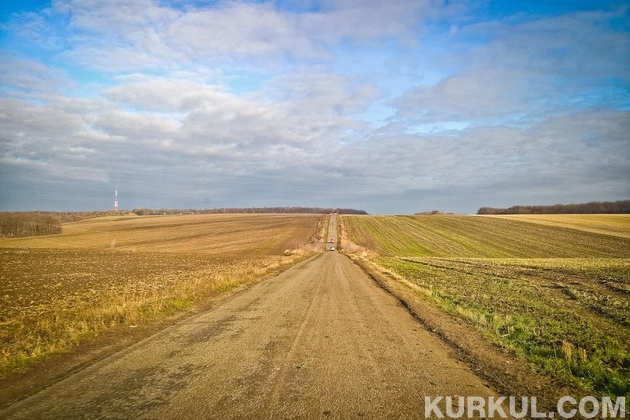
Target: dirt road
x: 331, y: 241
x: 319, y: 341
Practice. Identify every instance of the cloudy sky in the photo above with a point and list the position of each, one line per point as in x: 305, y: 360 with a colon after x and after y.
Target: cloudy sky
x: 389, y: 106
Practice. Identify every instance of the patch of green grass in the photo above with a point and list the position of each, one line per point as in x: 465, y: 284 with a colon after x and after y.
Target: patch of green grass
x: 523, y: 307
x: 180, y: 303
x: 226, y: 285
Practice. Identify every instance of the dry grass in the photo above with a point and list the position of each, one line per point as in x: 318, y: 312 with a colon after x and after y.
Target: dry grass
x: 58, y: 291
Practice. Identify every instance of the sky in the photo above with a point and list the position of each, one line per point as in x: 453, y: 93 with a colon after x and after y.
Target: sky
x: 393, y: 107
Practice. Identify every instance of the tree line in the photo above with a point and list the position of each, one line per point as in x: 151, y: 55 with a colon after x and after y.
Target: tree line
x: 593, y: 207
x: 20, y: 224
x: 310, y: 210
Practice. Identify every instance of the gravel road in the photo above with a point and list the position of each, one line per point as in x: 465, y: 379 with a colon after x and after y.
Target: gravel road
x: 320, y: 340
x: 331, y: 240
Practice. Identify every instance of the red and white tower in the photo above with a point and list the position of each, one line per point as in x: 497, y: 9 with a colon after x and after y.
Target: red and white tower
x: 116, y: 198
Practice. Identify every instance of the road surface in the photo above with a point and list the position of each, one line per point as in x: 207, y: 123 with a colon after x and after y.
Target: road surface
x: 331, y: 241
x: 320, y: 340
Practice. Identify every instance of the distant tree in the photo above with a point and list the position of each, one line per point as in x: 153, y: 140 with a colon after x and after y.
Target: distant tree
x: 251, y: 210
x: 593, y: 207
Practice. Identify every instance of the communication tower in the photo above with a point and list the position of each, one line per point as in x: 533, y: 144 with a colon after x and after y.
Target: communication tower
x: 116, y: 198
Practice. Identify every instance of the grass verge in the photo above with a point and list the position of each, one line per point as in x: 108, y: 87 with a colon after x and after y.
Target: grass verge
x: 568, y: 323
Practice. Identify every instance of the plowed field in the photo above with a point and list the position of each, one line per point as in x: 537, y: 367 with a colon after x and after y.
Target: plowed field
x: 60, y: 290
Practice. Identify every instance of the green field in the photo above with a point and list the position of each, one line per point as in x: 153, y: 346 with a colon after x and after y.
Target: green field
x: 556, y: 292
x: 608, y: 224
x: 478, y: 237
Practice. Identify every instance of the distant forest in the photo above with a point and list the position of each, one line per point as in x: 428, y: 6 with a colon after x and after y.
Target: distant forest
x: 21, y: 224
x: 594, y: 207
x: 311, y: 210
x: 18, y: 224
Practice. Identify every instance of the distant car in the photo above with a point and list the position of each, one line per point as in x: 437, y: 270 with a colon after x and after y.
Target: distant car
x: 332, y: 248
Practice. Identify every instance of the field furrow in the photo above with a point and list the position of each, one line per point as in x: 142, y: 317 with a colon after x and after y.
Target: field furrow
x: 479, y: 237
x: 60, y: 290
x: 557, y: 293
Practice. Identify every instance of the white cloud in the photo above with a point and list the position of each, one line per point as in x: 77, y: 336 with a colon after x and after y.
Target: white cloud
x: 526, y: 72
x: 241, y: 30
x: 19, y: 76
x: 361, y: 20
x: 127, y: 36
x: 167, y: 95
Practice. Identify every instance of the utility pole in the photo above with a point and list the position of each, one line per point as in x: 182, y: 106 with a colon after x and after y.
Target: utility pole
x: 116, y: 198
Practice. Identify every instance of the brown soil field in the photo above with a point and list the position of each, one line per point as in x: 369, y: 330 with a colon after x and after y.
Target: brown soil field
x: 260, y: 234
x: 61, y: 290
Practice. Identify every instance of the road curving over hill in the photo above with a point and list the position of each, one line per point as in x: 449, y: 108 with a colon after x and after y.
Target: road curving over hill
x: 321, y: 340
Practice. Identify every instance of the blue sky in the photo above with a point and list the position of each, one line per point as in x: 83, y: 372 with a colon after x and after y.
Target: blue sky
x: 392, y: 107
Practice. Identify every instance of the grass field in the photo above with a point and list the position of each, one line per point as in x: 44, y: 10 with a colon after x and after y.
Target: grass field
x: 57, y: 291
x: 555, y: 290
x: 607, y: 224
x: 479, y: 237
